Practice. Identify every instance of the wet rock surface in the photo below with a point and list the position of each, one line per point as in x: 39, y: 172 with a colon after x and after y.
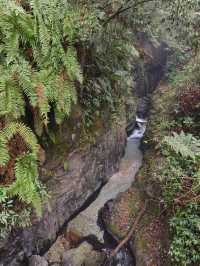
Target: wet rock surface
x: 118, y: 216
x: 83, y: 255
x: 83, y: 241
x: 37, y: 261
x: 153, y: 66
x: 148, y: 240
x: 69, y: 190
x: 86, y: 223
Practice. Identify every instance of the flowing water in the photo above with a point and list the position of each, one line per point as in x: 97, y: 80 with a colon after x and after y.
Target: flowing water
x: 139, y: 129
x: 87, y: 222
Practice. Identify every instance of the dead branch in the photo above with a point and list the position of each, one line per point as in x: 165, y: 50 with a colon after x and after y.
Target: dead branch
x: 133, y: 228
x: 124, y: 9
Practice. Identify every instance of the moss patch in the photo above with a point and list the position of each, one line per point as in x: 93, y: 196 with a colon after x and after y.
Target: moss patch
x: 120, y: 214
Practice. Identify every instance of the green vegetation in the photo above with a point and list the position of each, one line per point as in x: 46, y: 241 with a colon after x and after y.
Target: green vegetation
x: 55, y: 55
x: 11, y: 217
x: 181, y: 192
x: 174, y: 132
x: 185, y: 246
x: 39, y: 66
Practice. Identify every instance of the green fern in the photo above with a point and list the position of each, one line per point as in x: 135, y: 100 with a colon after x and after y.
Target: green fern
x: 33, y: 54
x: 27, y: 135
x: 39, y: 67
x: 25, y: 187
x: 9, y: 217
x: 72, y: 65
x: 185, y: 144
x: 26, y: 170
x: 4, y: 155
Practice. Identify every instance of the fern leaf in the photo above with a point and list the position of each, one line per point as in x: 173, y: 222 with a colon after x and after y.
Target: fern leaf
x: 4, y: 155
x: 13, y: 128
x: 25, y: 187
x: 72, y: 65
x: 185, y: 144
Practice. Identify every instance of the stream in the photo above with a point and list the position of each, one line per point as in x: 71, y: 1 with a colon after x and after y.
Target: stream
x: 87, y: 224
x: 92, y: 243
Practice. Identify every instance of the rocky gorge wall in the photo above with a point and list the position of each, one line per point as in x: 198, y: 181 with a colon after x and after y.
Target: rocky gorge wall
x: 148, y: 71
x: 87, y: 170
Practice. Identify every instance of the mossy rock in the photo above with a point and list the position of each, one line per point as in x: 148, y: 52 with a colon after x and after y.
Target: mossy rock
x: 150, y: 244
x: 147, y: 179
x: 83, y: 255
x: 118, y: 216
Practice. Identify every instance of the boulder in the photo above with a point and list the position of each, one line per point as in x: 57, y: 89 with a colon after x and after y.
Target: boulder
x: 149, y: 242
x: 36, y: 260
x: 83, y: 255
x: 119, y: 215
x: 55, y: 253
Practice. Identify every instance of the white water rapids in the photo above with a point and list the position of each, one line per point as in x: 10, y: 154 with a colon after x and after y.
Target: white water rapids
x: 139, y: 130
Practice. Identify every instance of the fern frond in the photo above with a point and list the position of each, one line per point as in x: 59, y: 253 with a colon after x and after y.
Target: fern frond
x: 28, y: 136
x: 25, y: 187
x: 59, y: 116
x: 72, y: 66
x: 185, y: 144
x: 24, y: 78
x: 4, y: 155
x: 11, y: 98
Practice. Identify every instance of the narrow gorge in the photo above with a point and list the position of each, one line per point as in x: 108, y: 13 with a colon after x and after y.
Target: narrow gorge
x: 99, y: 133
x: 88, y: 175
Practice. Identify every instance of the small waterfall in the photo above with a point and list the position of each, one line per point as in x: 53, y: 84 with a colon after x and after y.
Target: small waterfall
x: 139, y: 130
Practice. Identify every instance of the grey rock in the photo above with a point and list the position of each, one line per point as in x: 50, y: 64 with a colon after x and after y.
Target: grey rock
x: 55, y: 253
x: 36, y: 260
x: 86, y: 223
x: 149, y: 73
x: 83, y: 255
x: 143, y: 106
x: 87, y: 170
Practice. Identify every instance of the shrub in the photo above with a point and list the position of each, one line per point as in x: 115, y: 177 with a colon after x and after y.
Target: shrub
x: 185, y: 226
x: 185, y: 144
x: 10, y: 216
x: 189, y: 102
x: 181, y: 192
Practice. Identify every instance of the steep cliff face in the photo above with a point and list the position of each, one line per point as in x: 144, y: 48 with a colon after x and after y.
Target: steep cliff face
x: 148, y: 72
x: 152, y: 66
x: 87, y: 170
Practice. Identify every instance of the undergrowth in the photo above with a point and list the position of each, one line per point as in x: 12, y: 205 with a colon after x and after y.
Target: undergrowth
x: 179, y: 172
